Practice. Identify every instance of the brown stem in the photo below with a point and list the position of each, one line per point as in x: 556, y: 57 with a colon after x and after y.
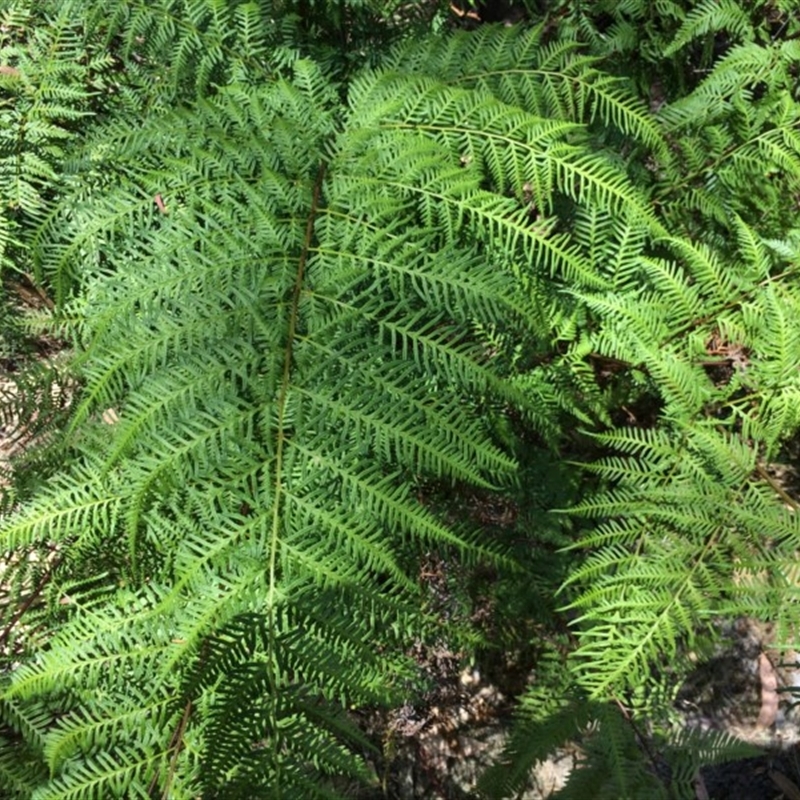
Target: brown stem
x: 643, y: 742
x: 777, y: 488
x: 28, y: 602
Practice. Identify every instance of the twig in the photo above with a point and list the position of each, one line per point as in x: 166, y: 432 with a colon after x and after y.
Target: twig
x: 28, y: 602
x: 643, y: 742
x: 777, y: 488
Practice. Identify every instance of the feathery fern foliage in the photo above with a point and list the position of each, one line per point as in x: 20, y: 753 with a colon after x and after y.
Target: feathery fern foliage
x: 296, y: 270
x: 616, y: 758
x: 276, y: 299
x: 682, y: 344
x: 667, y: 48
x: 47, y: 79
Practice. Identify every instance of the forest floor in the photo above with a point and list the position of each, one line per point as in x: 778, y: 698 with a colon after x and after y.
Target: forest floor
x: 445, y: 748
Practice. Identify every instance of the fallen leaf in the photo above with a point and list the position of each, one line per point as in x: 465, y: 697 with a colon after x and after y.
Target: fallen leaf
x: 700, y: 790
x: 769, y: 692
x: 788, y: 787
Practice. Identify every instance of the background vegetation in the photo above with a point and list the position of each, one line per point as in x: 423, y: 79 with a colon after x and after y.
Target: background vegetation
x: 299, y: 294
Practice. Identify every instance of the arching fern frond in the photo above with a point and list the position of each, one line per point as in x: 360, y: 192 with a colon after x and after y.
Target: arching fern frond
x: 738, y: 136
x: 554, y: 81
x: 689, y: 511
x: 711, y: 17
x: 280, y: 303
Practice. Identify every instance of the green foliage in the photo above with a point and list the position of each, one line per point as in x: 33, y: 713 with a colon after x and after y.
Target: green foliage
x: 317, y: 267
x: 47, y: 79
x: 287, y: 337
x: 616, y: 758
x: 667, y: 47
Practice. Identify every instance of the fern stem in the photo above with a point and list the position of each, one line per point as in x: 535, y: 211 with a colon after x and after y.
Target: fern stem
x: 677, y: 188
x: 642, y: 739
x: 743, y: 297
x: 280, y: 441
x: 175, y: 744
x: 777, y: 488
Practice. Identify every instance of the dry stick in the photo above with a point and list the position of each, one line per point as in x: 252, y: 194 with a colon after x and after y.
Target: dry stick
x: 28, y: 602
x: 777, y: 488
x: 639, y: 735
x: 176, y: 741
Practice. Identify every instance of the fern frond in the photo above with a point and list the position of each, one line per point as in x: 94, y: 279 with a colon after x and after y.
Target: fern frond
x: 552, y: 81
x: 318, y: 296
x: 710, y: 17
x: 664, y: 556
x: 248, y: 494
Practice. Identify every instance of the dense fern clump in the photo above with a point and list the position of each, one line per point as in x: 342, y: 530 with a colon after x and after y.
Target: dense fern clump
x: 311, y: 261
x: 276, y: 300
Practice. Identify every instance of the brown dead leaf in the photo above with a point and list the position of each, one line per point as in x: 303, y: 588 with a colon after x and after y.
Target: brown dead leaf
x: 110, y: 416
x: 700, y: 790
x: 788, y: 787
x: 30, y: 293
x: 769, y: 693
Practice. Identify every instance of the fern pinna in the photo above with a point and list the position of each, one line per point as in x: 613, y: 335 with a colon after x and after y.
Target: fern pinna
x: 276, y: 305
